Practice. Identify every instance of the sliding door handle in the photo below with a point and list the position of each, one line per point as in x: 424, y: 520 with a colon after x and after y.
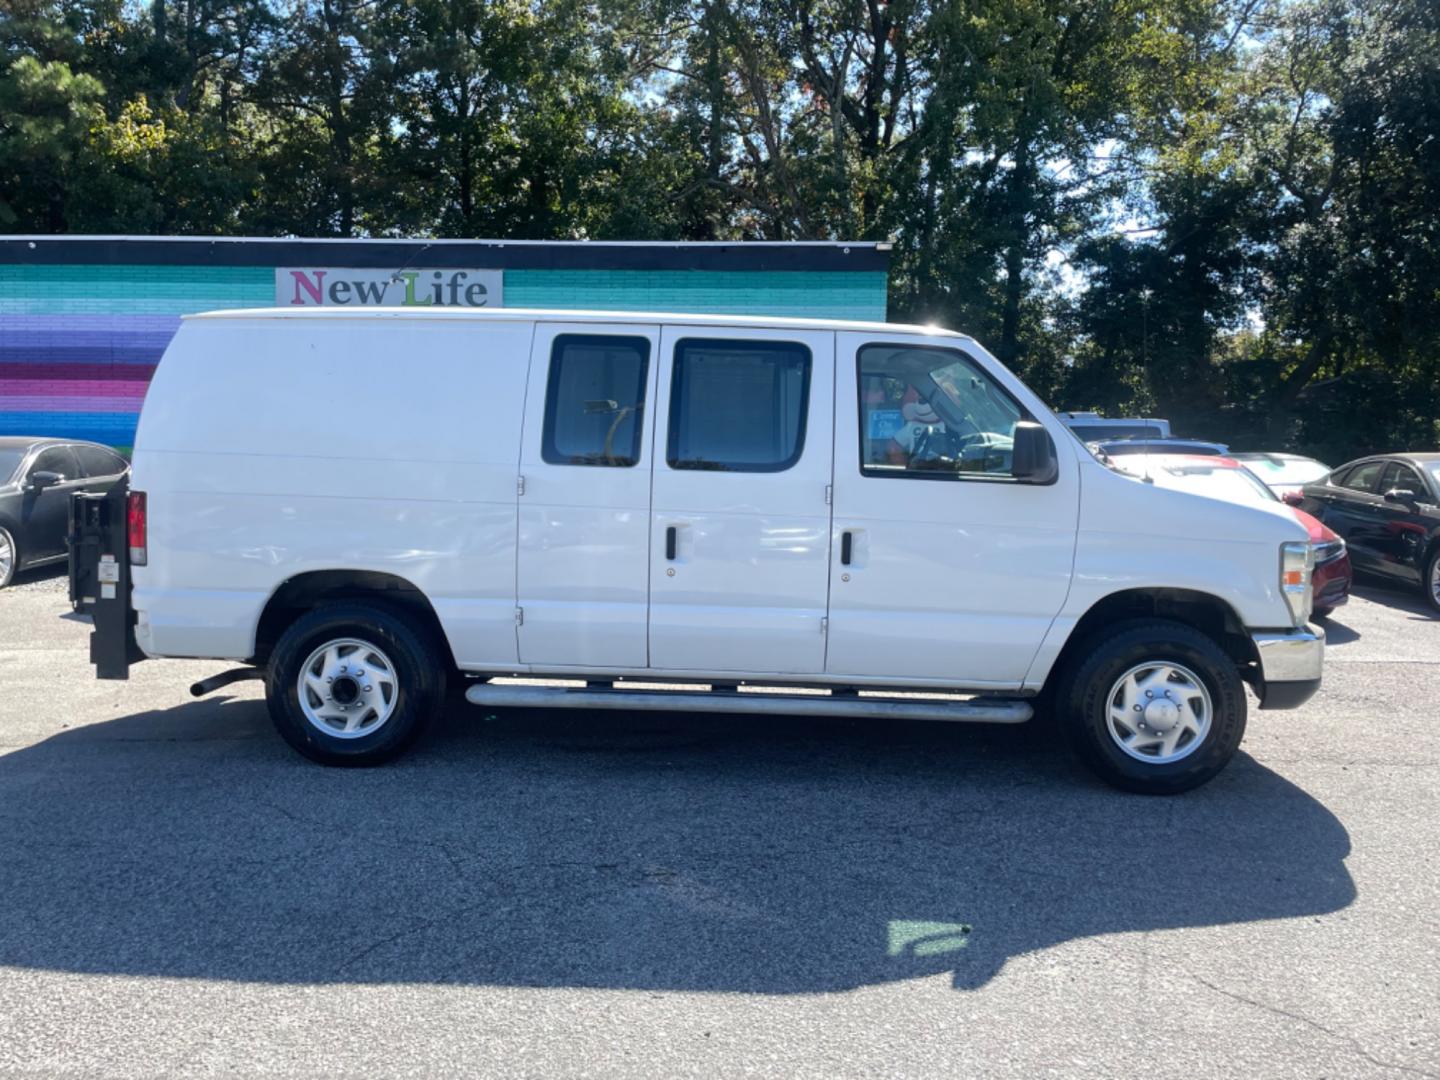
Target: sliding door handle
x: 670, y: 543
x: 845, y: 545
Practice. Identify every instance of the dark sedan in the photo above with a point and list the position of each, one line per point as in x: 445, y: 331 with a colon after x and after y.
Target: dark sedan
x: 1388, y: 510
x: 37, y: 477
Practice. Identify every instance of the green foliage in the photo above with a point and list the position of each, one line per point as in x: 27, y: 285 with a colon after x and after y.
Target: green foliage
x: 1224, y: 211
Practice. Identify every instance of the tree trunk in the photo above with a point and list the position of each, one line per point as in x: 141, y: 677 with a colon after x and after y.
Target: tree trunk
x: 467, y: 164
x: 1287, y: 392
x: 1017, y: 213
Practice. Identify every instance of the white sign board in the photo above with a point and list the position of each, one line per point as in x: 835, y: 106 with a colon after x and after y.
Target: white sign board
x: 334, y: 286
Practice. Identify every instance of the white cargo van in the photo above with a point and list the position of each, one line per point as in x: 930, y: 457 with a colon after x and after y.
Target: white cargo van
x: 364, y: 506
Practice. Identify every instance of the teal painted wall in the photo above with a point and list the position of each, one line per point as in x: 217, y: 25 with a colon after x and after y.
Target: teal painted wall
x: 837, y: 294
x: 132, y: 290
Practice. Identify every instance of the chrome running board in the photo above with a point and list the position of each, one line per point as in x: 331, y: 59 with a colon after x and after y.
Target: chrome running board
x: 974, y: 710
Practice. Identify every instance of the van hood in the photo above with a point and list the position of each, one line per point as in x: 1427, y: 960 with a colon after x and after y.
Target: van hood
x: 1148, y: 509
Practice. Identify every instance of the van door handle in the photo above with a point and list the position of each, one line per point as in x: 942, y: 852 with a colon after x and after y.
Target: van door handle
x: 845, y: 544
x: 670, y: 542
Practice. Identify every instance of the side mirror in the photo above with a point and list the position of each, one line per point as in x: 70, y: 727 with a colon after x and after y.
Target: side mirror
x: 1403, y: 496
x: 1293, y: 498
x: 1033, y: 458
x: 44, y: 478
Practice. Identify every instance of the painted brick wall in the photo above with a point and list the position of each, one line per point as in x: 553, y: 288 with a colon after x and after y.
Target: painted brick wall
x: 78, y: 343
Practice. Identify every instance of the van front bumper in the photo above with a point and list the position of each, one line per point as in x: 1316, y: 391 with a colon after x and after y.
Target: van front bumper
x: 1290, y: 666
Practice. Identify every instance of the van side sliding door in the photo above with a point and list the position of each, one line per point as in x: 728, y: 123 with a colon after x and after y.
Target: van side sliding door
x: 582, y: 588
x: 739, y: 548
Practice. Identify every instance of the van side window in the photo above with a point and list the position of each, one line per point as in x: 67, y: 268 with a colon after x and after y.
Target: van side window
x: 932, y: 413
x: 595, y: 400
x: 738, y: 406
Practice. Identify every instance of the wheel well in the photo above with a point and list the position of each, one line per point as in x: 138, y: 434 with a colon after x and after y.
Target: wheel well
x: 1210, y: 615
x: 303, y: 592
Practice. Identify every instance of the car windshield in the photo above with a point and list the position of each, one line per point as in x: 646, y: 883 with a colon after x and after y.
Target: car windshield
x: 1433, y: 468
x: 1225, y: 482
x: 9, y: 462
x: 1275, y: 470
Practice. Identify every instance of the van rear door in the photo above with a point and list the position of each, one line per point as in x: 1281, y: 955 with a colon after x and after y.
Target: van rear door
x: 582, y: 569
x: 739, y: 552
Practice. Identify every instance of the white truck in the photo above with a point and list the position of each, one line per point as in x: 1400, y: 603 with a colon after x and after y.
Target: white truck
x: 616, y: 510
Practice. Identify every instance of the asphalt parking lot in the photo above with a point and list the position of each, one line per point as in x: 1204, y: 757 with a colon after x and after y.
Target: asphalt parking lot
x: 563, y: 895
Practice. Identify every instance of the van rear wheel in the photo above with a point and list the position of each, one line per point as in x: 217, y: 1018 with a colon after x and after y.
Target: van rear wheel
x: 353, y: 684
x: 1153, y: 706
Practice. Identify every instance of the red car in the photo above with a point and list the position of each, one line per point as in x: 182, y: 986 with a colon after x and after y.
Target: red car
x: 1228, y: 479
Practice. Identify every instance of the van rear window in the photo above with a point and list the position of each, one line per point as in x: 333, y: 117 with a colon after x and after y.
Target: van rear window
x: 595, y: 400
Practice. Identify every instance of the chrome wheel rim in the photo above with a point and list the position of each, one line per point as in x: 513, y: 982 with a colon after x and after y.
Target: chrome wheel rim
x: 347, y: 688
x: 1159, y: 712
x: 1434, y: 580
x: 7, y: 556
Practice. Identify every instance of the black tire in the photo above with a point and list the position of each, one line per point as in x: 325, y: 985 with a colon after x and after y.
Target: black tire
x: 1323, y: 612
x: 1427, y: 583
x: 1098, y: 664
x: 418, y: 677
x: 7, y: 542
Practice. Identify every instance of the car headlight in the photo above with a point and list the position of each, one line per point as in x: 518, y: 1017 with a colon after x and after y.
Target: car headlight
x: 1297, y: 562
x: 1329, y: 549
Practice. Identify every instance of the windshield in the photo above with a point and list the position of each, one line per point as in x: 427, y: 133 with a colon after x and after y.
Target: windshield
x: 1200, y: 478
x: 1286, y: 470
x: 9, y: 462
x: 1433, y: 468
x: 977, y: 399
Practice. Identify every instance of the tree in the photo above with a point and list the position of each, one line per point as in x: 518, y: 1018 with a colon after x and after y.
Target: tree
x: 46, y: 115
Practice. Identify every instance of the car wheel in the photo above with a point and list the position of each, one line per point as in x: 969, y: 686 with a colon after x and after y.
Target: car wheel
x: 353, y: 684
x: 1323, y: 612
x: 9, y: 558
x: 1152, y: 706
x: 1432, y: 579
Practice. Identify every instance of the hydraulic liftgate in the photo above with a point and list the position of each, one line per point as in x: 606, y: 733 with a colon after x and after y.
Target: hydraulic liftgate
x: 100, y: 579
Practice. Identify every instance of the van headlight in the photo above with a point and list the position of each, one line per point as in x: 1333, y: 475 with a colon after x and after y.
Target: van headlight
x: 1297, y: 563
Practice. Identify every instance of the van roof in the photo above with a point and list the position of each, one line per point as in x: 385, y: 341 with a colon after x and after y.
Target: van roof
x: 563, y: 315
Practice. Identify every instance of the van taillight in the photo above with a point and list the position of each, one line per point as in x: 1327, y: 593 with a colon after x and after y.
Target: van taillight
x: 136, y: 528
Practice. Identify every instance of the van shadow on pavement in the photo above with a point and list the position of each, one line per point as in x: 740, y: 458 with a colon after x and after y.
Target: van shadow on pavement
x: 662, y: 852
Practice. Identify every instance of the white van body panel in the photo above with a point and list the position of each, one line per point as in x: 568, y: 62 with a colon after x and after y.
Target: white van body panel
x: 268, y: 451
x: 274, y: 443
x: 1135, y: 535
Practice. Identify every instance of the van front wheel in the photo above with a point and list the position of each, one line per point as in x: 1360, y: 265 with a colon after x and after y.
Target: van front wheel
x: 1153, y: 706
x: 352, y: 684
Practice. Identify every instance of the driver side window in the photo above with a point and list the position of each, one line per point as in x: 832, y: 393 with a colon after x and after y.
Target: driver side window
x: 932, y: 413
x: 56, y: 459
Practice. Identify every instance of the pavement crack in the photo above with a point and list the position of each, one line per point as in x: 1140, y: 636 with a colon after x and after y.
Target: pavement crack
x: 1299, y: 1018
x: 374, y: 946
